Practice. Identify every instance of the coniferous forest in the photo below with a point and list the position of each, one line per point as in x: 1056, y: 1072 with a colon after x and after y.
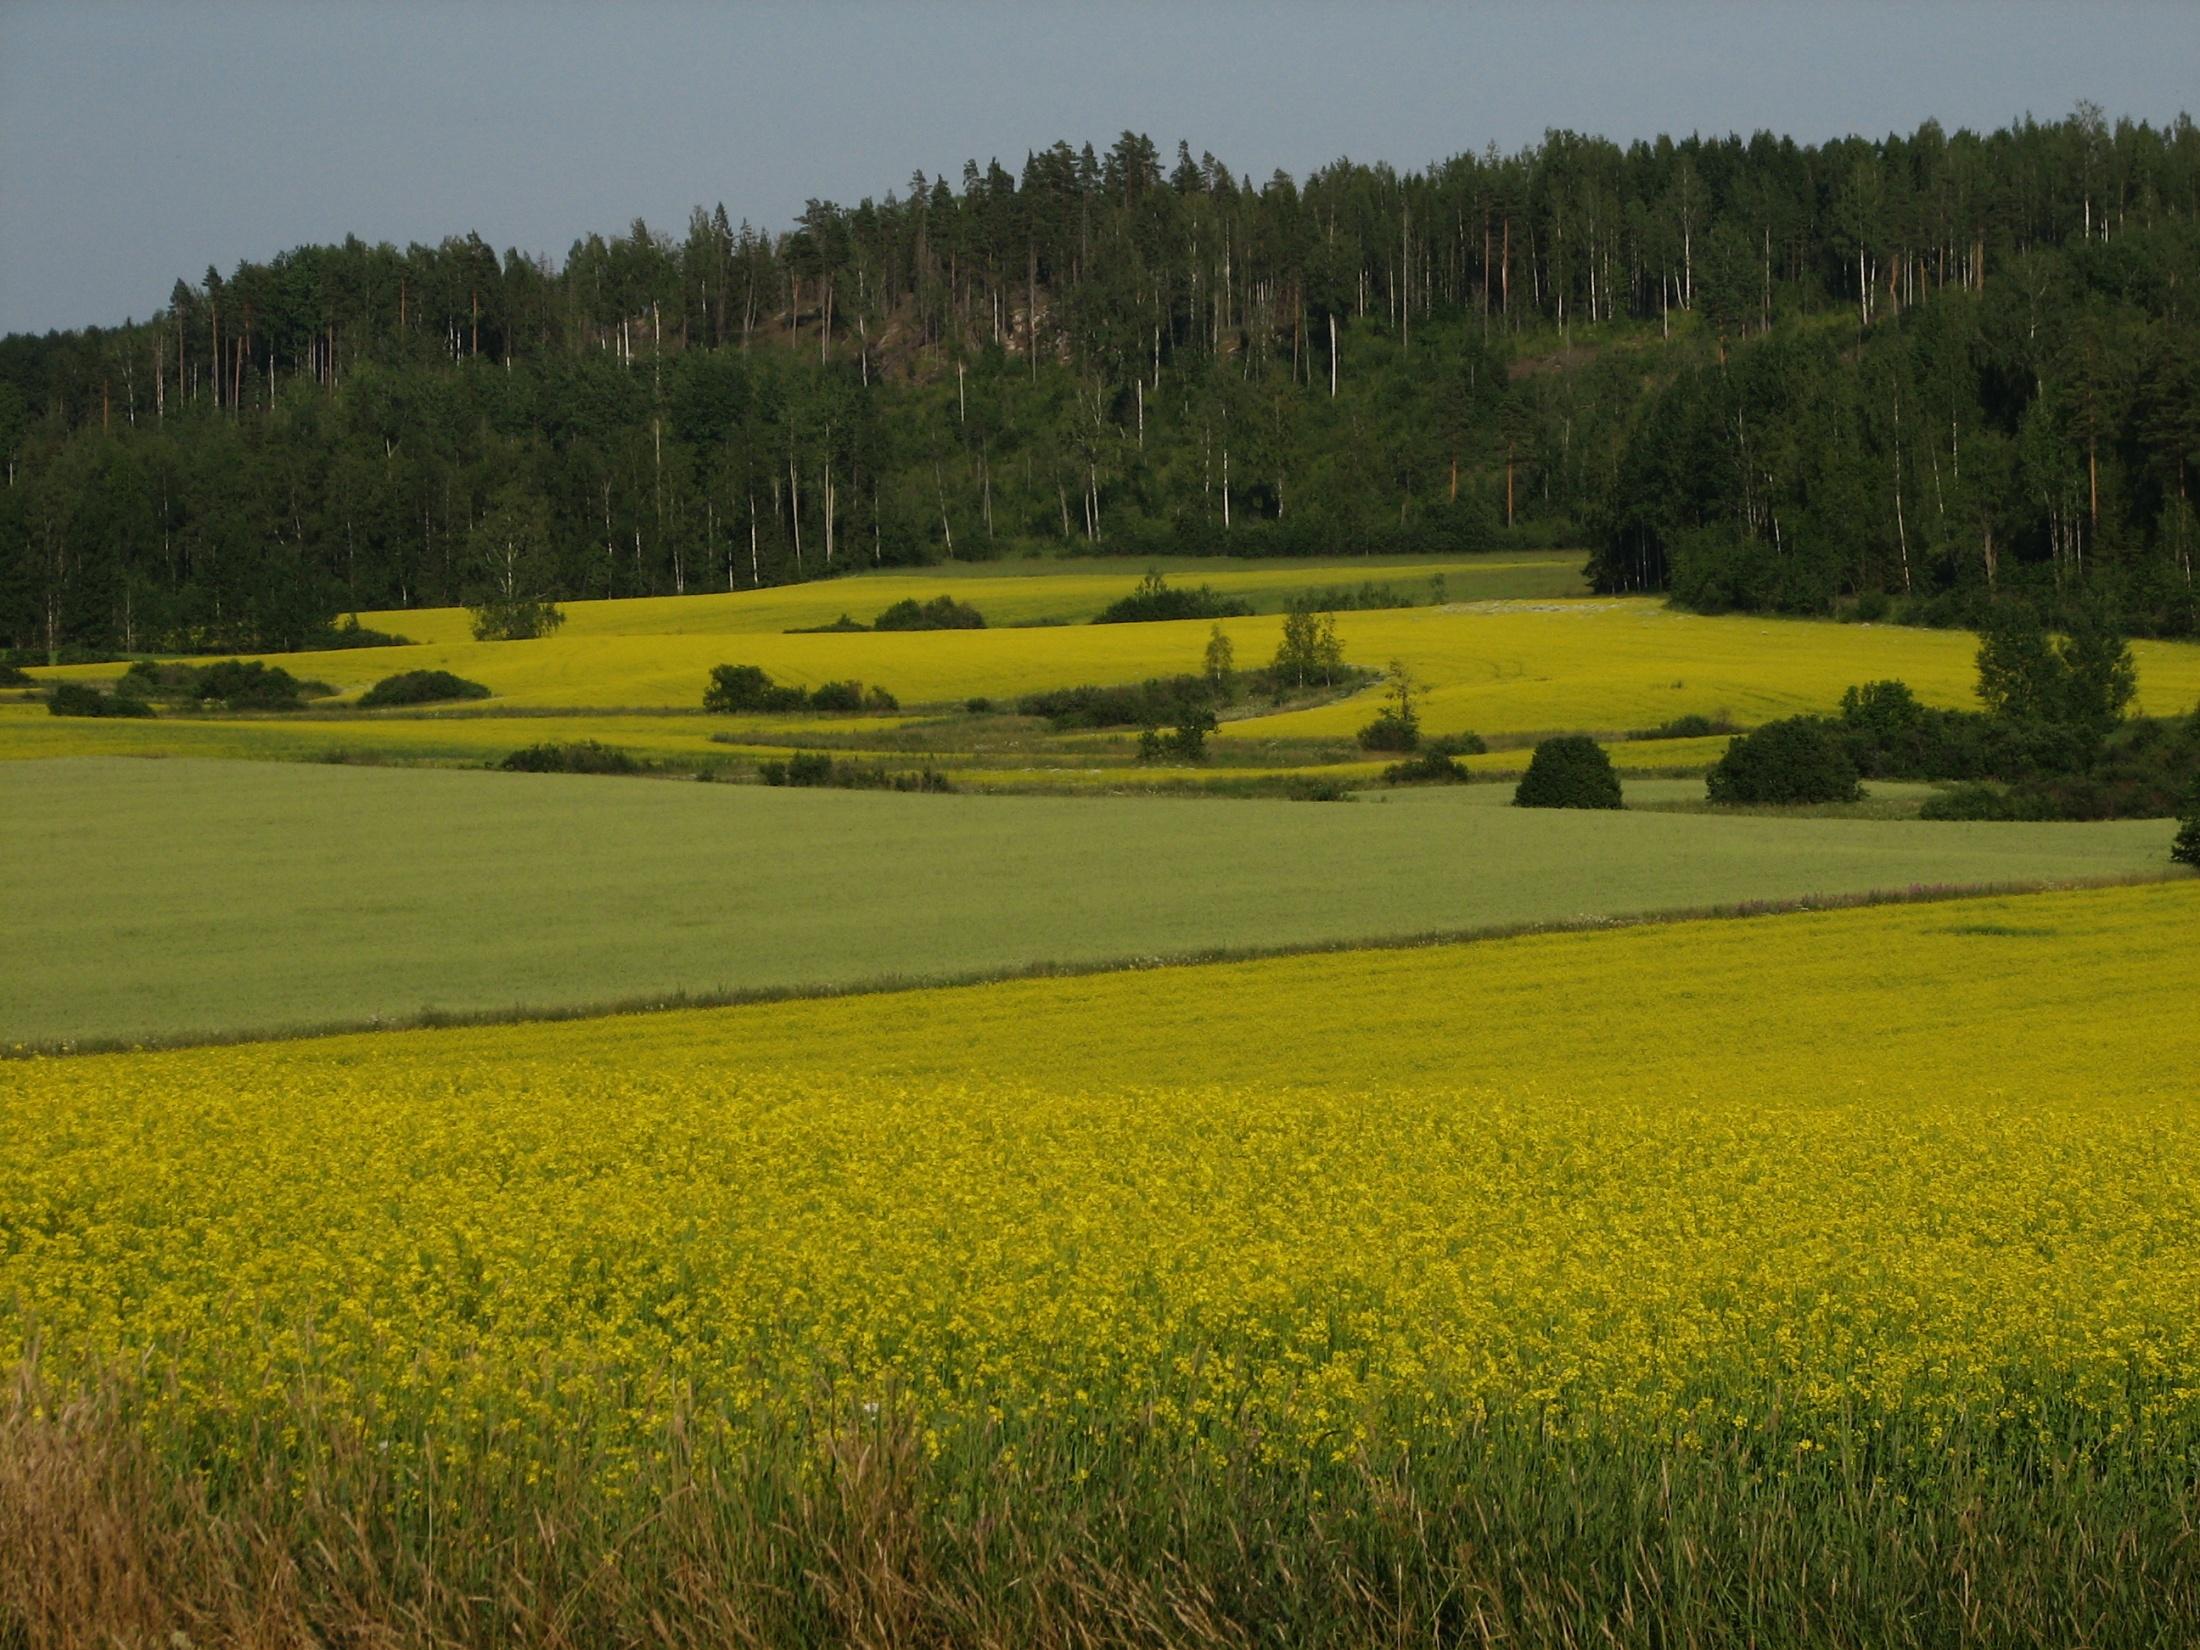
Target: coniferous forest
x: 1899, y: 378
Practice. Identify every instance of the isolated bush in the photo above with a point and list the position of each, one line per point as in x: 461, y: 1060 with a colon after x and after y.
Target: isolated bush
x: 1787, y: 763
x: 1430, y: 767
x: 81, y: 699
x: 1390, y: 732
x: 837, y: 697
x: 978, y: 705
x: 940, y: 613
x: 517, y: 620
x: 581, y: 756
x: 735, y: 689
x: 1156, y: 598
x: 420, y: 687
x: 1570, y: 771
x: 877, y: 698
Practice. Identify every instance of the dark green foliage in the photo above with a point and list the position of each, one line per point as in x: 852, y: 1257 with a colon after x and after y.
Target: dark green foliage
x: 978, y: 705
x: 350, y: 633
x: 12, y: 676
x: 580, y: 756
x: 1186, y: 742
x: 1569, y: 771
x: 1397, y: 726
x: 2014, y: 417
x: 745, y: 689
x: 842, y: 626
x: 1390, y: 732
x: 1304, y: 787
x: 420, y: 687
x: 817, y: 768
x: 2086, y: 680
x: 1455, y: 744
x: 2185, y: 850
x: 1310, y: 650
x: 249, y: 684
x: 1156, y: 598
x: 1158, y: 702
x: 1691, y: 726
x: 520, y: 619
x: 1790, y: 763
x: 940, y: 613
x: 1430, y: 767
x: 82, y: 699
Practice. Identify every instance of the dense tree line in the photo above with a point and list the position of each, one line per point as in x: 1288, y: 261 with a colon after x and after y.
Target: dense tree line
x: 1760, y: 373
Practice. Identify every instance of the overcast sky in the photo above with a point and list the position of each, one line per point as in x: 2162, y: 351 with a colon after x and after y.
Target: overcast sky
x: 140, y: 142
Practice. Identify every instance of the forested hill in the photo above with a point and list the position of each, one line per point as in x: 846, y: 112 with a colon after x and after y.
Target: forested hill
x: 1756, y: 373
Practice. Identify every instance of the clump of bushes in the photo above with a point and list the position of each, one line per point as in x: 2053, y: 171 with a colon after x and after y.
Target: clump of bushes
x: 1569, y: 771
x: 420, y: 687
x: 580, y: 756
x: 1429, y: 767
x: 237, y: 684
x: 1157, y: 702
x: 1186, y: 742
x: 817, y: 768
x: 82, y: 699
x: 1155, y: 598
x: 1796, y: 761
x: 940, y: 613
x: 841, y: 626
x: 739, y: 689
x: 1688, y: 727
x: 11, y: 676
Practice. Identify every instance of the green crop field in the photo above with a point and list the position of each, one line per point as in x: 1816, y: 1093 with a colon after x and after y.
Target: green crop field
x: 153, y: 900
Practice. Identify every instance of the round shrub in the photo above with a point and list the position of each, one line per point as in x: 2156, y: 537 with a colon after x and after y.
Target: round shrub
x: 420, y: 687
x: 1788, y: 763
x: 581, y: 756
x: 1571, y: 771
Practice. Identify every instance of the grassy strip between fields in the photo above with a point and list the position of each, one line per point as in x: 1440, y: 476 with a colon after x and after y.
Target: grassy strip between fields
x: 428, y: 1019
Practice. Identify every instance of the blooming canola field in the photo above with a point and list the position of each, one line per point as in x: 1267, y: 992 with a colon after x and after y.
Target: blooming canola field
x: 1251, y: 1228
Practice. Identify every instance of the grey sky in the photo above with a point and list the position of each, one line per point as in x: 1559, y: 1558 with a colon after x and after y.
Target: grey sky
x: 143, y: 142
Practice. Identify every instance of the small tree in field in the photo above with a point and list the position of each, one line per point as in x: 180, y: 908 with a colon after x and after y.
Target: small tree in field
x: 1397, y: 726
x: 1221, y: 659
x: 1570, y: 771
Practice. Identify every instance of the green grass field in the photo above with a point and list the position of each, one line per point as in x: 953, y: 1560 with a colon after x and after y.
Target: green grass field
x: 163, y: 900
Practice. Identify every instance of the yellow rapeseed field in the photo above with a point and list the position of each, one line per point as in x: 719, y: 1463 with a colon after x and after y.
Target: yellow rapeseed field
x: 1822, y: 1174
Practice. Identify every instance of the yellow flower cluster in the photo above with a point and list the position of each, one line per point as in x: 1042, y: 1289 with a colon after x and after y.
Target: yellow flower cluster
x: 517, y: 1240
